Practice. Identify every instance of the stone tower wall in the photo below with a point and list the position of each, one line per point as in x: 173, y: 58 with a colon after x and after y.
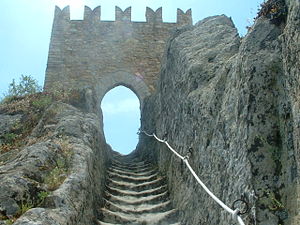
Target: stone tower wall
x: 105, y: 54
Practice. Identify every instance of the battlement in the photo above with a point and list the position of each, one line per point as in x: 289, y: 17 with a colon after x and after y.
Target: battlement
x: 183, y: 18
x: 93, y: 15
x: 152, y: 16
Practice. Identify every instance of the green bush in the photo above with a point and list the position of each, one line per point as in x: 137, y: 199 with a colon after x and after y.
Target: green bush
x: 27, y: 85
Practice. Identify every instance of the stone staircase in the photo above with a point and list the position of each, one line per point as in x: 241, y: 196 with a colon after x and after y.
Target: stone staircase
x: 136, y: 194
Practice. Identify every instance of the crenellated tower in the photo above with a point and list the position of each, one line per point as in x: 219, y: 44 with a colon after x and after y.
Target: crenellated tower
x: 104, y: 54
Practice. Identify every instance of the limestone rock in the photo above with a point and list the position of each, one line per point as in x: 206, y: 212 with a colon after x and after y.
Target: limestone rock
x: 68, y: 144
x: 7, y: 122
x: 231, y: 104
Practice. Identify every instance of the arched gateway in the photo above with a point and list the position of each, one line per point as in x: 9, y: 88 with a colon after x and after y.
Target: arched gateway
x: 105, y: 54
x: 134, y: 83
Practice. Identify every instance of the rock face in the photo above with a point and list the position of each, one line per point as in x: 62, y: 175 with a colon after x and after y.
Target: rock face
x: 291, y: 65
x: 233, y: 106
x: 65, y: 162
x: 7, y: 122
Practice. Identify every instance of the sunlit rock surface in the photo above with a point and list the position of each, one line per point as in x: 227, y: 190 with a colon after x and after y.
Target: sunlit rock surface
x: 233, y: 103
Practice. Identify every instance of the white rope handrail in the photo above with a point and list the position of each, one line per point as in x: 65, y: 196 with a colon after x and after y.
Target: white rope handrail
x: 234, y: 213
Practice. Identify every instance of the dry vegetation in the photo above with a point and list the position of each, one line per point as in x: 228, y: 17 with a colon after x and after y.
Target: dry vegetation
x: 274, y: 10
x: 31, y: 107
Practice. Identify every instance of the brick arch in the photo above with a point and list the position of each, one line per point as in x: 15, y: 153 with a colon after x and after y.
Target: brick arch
x: 134, y: 83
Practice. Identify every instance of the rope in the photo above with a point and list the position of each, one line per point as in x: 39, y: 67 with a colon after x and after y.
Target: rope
x: 234, y: 213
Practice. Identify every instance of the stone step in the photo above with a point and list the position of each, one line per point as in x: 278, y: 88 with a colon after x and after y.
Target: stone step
x: 153, y: 191
x: 139, y: 209
x: 132, y: 200
x: 130, y: 173
x: 145, y: 218
x: 126, y: 185
x: 136, y: 180
x: 133, y: 169
x: 104, y: 223
x: 131, y: 163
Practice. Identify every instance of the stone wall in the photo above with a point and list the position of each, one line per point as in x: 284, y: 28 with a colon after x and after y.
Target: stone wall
x: 84, y: 52
x: 234, y: 103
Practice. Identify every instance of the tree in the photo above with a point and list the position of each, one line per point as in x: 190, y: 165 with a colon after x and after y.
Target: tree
x: 27, y: 85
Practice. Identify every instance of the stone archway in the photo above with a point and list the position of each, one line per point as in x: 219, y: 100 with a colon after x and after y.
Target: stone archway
x: 120, y: 78
x: 134, y: 83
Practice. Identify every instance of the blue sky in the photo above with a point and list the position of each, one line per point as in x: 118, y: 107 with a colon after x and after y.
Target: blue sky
x: 25, y: 30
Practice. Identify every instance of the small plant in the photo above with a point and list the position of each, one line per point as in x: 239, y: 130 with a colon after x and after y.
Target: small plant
x: 41, y: 103
x: 2, y: 217
x: 59, y: 173
x: 66, y: 148
x: 55, y: 178
x: 9, y: 138
x: 6, y: 219
x: 42, y: 196
x: 9, y: 221
x: 275, y: 203
x: 25, y: 206
x: 8, y: 141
